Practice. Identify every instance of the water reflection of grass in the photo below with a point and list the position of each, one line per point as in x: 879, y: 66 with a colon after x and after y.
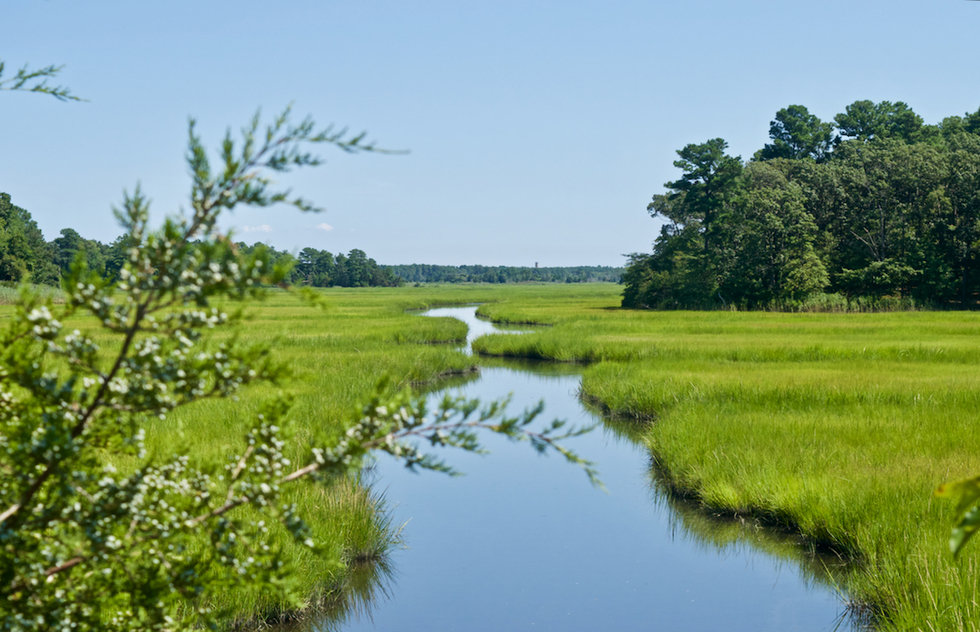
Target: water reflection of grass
x: 724, y: 531
x: 626, y: 428
x: 529, y: 366
x: 720, y: 530
x: 730, y: 532
x: 366, y: 584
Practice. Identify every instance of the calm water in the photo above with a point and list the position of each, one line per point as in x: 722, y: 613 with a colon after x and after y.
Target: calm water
x: 523, y: 542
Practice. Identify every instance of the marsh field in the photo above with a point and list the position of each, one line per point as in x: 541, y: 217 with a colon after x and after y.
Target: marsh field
x: 836, y: 426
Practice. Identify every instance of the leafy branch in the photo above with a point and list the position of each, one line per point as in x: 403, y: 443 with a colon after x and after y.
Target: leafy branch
x: 36, y: 80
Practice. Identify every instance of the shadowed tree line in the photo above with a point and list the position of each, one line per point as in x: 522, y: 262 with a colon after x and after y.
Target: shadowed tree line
x: 872, y: 206
x: 25, y: 255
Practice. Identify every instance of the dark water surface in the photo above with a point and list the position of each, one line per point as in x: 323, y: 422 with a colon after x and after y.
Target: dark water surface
x: 524, y: 542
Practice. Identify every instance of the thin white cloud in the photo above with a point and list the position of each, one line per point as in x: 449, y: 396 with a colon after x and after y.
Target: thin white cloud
x: 264, y: 228
x: 324, y: 226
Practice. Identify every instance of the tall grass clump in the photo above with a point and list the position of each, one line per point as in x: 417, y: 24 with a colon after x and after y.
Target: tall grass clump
x: 10, y: 293
x: 840, y: 304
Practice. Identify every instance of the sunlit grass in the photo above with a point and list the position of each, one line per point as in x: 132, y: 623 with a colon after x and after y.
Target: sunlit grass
x: 838, y: 426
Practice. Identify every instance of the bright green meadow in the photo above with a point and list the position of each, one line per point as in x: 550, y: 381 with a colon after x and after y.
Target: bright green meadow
x: 836, y: 426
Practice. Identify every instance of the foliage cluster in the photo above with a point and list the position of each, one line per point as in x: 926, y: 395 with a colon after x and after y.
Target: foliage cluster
x: 877, y: 204
x: 319, y: 268
x: 28, y: 79
x: 23, y: 251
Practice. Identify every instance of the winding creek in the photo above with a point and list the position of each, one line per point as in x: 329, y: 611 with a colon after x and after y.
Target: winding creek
x: 523, y: 542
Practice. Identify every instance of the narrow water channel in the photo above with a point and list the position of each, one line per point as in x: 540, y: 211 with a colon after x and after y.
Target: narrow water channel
x: 523, y: 542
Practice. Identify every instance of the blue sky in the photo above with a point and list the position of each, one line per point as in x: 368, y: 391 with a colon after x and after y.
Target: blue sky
x: 538, y: 131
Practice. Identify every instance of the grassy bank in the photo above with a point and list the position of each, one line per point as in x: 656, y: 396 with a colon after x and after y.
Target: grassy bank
x: 337, y: 355
x: 839, y: 426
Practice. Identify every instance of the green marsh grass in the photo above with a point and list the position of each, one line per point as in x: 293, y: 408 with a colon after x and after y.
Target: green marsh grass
x: 834, y: 426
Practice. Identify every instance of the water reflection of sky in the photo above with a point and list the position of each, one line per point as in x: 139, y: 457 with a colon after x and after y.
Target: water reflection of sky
x: 476, y: 326
x: 524, y: 542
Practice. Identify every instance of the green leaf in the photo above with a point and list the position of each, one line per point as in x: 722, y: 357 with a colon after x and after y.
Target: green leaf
x: 966, y: 493
x: 964, y: 530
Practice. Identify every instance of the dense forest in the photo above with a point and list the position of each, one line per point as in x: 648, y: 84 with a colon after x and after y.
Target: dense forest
x: 25, y: 254
x: 874, y: 205
x: 420, y: 273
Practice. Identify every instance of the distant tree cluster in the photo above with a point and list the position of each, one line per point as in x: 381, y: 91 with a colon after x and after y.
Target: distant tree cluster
x: 876, y: 204
x: 421, y: 273
x: 24, y: 253
x: 320, y: 268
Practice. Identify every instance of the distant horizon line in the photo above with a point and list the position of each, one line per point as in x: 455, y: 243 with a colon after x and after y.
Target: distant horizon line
x: 464, y: 265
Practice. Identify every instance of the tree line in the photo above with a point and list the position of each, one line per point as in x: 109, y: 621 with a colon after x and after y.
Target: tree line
x: 24, y: 254
x: 319, y: 268
x: 873, y: 205
x: 422, y: 273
